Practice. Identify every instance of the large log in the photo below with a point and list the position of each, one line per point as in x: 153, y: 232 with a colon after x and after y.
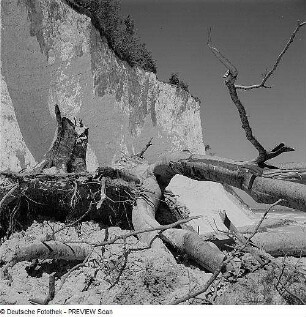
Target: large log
x: 283, y: 242
x: 247, y: 177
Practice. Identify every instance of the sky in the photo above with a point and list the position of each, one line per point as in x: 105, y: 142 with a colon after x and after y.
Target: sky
x: 251, y: 34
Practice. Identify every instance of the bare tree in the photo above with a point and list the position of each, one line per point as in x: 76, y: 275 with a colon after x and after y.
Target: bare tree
x: 230, y: 81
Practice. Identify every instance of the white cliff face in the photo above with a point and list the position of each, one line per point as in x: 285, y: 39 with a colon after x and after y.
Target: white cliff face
x: 59, y: 57
x: 13, y: 150
x: 51, y: 54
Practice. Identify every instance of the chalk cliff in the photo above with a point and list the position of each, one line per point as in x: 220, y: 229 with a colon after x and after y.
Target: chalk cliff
x: 52, y: 54
x: 13, y: 150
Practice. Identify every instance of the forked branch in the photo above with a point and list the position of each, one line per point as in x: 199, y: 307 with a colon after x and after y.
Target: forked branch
x: 230, y: 79
x: 142, y: 152
x: 271, y: 71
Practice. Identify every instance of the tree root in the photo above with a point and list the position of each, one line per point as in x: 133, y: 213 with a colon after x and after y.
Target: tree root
x: 185, y: 241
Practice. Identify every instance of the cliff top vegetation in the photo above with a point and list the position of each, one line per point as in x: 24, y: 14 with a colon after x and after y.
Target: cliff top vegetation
x: 119, y: 31
x: 175, y: 80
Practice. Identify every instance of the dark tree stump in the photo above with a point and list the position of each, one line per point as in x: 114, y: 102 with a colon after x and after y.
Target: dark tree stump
x: 68, y: 150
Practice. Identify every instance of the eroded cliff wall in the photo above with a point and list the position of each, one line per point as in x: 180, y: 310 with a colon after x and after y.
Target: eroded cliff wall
x: 52, y: 54
x: 13, y: 150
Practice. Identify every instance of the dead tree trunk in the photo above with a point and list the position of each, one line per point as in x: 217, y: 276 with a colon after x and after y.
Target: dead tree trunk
x: 240, y: 175
x: 68, y: 150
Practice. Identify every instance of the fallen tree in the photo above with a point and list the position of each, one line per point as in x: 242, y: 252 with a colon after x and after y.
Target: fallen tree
x: 130, y: 193
x: 127, y: 195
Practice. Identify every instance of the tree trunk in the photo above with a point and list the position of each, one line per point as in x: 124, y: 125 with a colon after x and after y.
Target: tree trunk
x: 247, y: 177
x: 68, y: 150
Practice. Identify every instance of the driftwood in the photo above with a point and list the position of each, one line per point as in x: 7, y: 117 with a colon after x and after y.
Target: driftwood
x: 282, y: 243
x: 237, y: 174
x: 129, y: 194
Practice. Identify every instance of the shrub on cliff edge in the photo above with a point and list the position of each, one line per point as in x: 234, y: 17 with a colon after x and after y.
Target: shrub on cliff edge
x: 175, y: 80
x: 119, y: 32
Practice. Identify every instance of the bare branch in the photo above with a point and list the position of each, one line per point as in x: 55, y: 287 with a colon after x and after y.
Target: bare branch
x: 230, y: 83
x: 270, y: 73
x: 262, y: 219
x: 205, y: 287
x: 230, y: 79
x: 268, y: 155
x: 65, y: 276
x: 232, y: 69
x: 250, y: 87
x: 74, y: 250
x: 142, y: 152
x: 137, y: 232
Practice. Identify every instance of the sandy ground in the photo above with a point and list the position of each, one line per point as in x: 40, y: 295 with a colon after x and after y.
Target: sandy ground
x: 149, y: 276
x: 119, y: 274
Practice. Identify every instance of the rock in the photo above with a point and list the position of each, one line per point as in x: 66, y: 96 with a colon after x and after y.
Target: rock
x: 208, y: 199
